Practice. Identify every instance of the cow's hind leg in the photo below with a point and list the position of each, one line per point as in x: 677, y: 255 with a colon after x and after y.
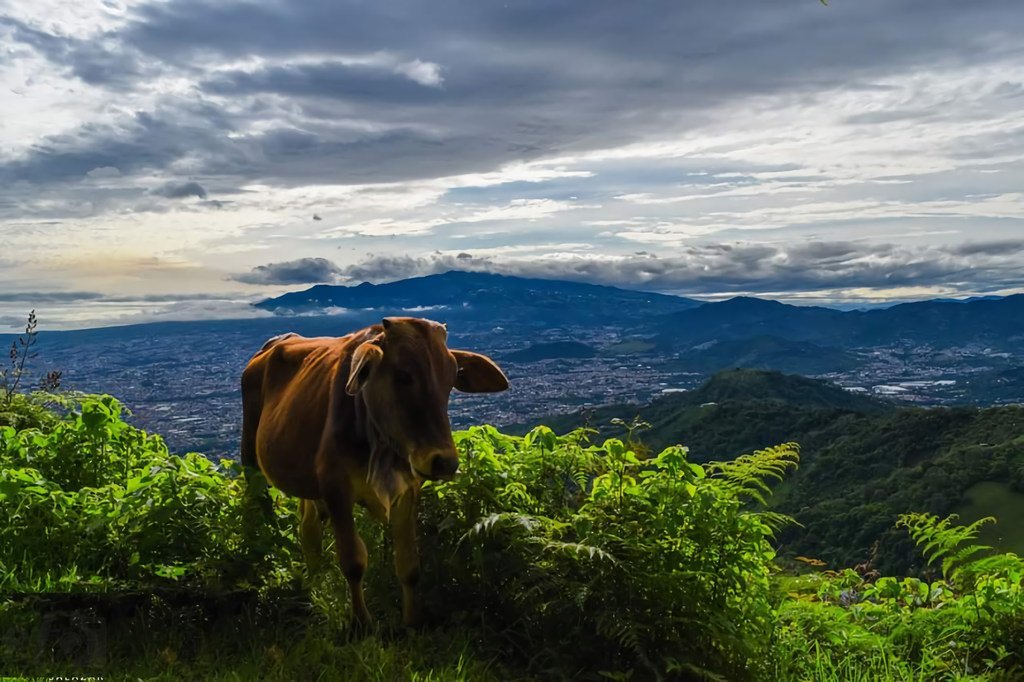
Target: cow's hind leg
x: 407, y: 560
x: 351, y: 552
x: 311, y: 533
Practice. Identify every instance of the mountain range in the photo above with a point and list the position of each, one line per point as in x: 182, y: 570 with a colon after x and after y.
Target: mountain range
x: 563, y: 345
x: 459, y: 294
x: 673, y: 321
x: 942, y: 324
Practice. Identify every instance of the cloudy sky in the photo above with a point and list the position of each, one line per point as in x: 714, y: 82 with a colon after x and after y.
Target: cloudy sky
x: 178, y: 158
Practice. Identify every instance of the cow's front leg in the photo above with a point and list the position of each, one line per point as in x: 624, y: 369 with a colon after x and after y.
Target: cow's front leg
x: 351, y: 551
x: 407, y: 559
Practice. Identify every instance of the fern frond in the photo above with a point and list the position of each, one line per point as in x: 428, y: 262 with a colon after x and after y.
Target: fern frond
x: 776, y: 521
x: 573, y: 548
x: 748, y: 475
x: 944, y: 540
x: 488, y: 523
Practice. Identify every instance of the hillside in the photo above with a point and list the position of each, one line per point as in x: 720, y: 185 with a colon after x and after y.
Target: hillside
x: 999, y: 386
x: 767, y: 352
x: 743, y: 317
x: 864, y: 461
x: 732, y: 412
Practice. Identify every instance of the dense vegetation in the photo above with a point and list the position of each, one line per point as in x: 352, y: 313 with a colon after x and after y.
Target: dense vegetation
x: 864, y: 462
x: 546, y: 557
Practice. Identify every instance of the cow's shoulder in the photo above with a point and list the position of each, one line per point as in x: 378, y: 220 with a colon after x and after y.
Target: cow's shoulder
x: 285, y: 354
x: 274, y: 340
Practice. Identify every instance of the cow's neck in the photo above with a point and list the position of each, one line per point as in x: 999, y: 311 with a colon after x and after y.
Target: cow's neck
x: 387, y: 473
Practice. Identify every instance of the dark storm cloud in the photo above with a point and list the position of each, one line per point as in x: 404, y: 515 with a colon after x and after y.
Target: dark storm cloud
x: 520, y: 80
x: 175, y: 190
x: 1006, y: 247
x: 147, y: 141
x: 301, y: 271
x: 717, y: 268
x: 331, y: 80
x: 97, y: 62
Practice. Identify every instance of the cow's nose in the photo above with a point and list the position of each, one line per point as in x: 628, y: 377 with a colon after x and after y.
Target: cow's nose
x: 443, y: 466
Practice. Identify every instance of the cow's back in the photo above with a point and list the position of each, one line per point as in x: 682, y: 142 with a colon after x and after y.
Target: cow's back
x: 286, y: 395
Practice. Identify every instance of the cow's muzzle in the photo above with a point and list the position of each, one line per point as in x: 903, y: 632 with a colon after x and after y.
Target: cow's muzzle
x: 437, y: 466
x: 444, y: 466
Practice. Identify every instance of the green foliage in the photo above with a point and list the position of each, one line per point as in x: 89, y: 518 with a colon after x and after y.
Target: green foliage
x: 547, y: 556
x: 968, y: 624
x: 33, y: 410
x: 657, y: 564
x: 91, y: 499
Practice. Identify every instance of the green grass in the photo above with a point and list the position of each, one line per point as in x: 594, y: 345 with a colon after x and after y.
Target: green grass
x: 990, y: 498
x: 196, y: 635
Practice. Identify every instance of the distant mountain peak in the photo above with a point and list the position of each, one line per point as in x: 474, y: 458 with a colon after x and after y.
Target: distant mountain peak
x: 535, y: 301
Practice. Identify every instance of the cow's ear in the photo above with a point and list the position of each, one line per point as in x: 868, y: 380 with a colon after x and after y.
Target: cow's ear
x: 367, y: 356
x: 478, y: 373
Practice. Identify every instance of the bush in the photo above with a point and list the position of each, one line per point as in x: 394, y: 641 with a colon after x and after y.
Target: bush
x: 92, y: 499
x: 605, y: 559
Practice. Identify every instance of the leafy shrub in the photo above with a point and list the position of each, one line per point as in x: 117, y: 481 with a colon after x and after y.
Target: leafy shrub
x: 598, y: 556
x: 92, y: 498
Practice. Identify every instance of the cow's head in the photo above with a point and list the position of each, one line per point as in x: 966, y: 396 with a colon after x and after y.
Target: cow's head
x: 405, y: 376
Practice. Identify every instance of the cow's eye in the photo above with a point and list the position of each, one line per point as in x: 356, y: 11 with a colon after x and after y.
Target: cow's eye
x: 402, y: 377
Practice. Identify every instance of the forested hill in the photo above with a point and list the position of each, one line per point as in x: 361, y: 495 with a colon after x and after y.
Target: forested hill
x: 734, y: 411
x: 863, y: 461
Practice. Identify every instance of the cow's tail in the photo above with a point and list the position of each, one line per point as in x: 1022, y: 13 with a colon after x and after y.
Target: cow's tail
x: 257, y: 492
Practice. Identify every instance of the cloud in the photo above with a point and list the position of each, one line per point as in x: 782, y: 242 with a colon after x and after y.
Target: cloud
x: 739, y: 267
x: 450, y: 91
x: 173, y: 190
x: 49, y: 296
x: 12, y: 321
x: 674, y: 128
x: 301, y: 271
x: 103, y: 172
x: 333, y: 79
x: 424, y: 73
x: 1008, y: 247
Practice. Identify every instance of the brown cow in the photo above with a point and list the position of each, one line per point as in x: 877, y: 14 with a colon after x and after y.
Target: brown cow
x: 360, y: 418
